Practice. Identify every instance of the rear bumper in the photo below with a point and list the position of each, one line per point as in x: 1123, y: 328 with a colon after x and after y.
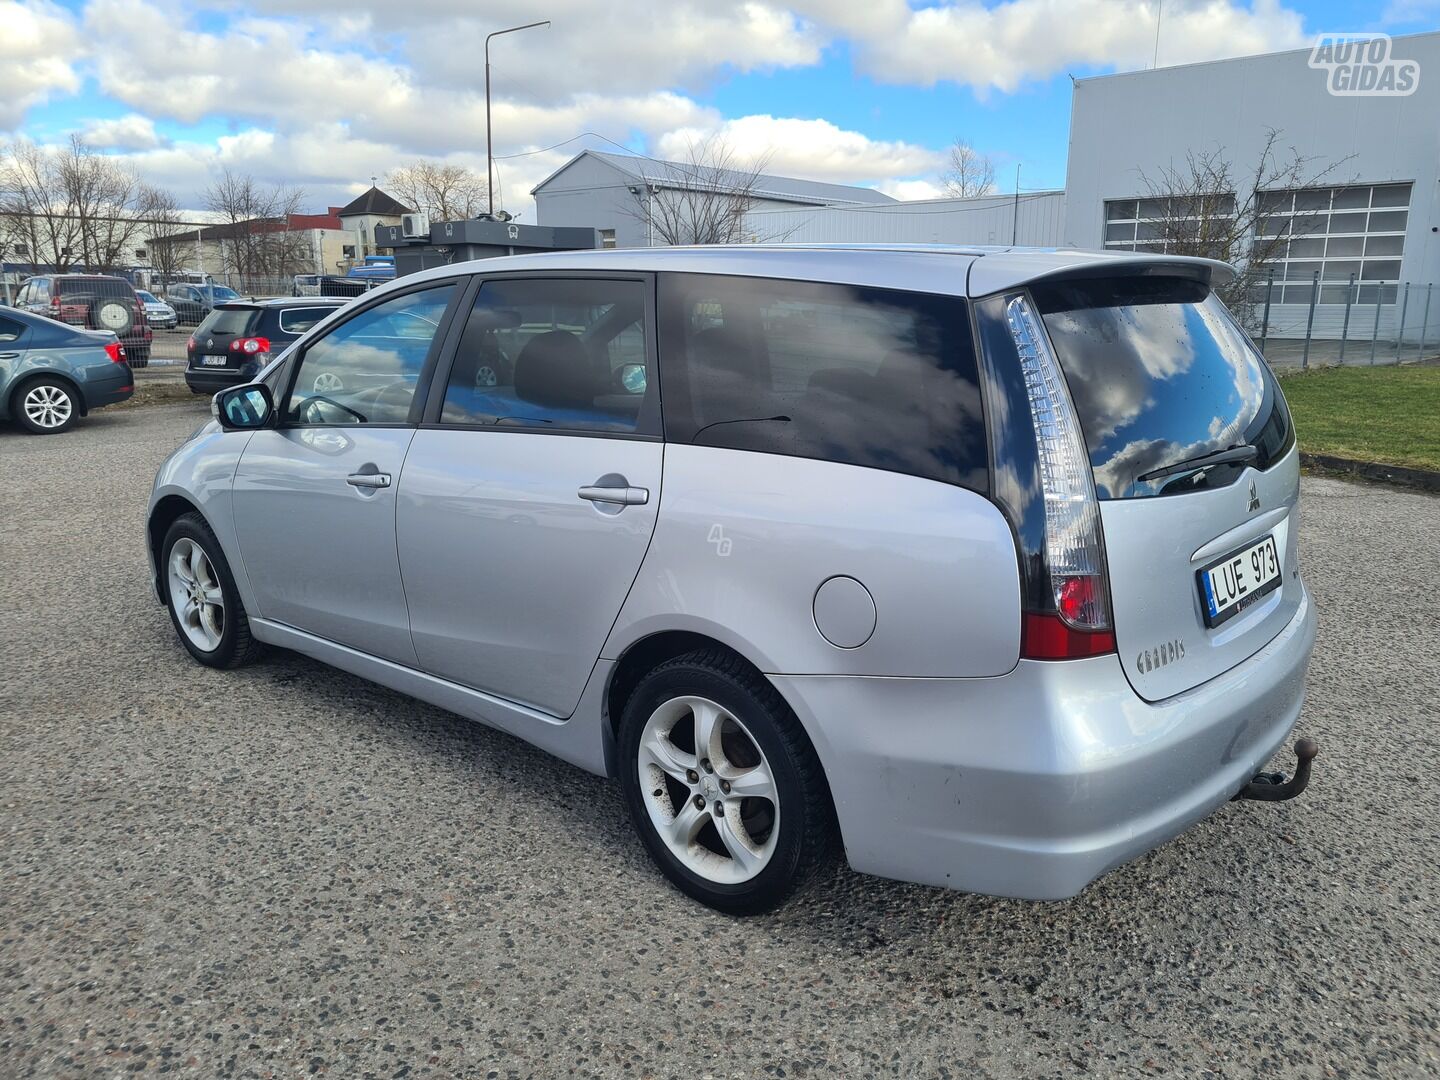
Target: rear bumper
x: 1035, y: 783
x: 108, y: 385
x: 204, y: 381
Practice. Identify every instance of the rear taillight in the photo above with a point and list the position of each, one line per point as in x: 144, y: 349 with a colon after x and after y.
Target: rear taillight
x: 251, y: 347
x: 190, y: 343
x: 1067, y: 615
x: 55, y: 305
x: 116, y: 352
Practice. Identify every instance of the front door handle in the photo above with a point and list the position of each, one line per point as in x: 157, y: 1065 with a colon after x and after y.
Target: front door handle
x: 619, y: 496
x: 369, y: 479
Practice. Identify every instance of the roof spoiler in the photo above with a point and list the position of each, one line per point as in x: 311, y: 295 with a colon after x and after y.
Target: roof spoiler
x: 1016, y: 269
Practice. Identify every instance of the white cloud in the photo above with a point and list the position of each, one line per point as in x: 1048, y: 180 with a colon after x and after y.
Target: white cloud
x: 815, y: 149
x: 906, y: 190
x: 38, y: 49
x: 1004, y: 46
x: 130, y: 132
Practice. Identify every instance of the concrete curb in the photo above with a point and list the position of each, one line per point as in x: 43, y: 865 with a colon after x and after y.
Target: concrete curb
x: 1400, y: 475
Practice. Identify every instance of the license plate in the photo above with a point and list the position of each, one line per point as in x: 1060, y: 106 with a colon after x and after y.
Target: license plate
x: 1230, y: 585
x: 213, y: 361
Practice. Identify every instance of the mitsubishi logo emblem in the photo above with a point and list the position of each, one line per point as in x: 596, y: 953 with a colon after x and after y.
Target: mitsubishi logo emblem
x: 1254, y: 498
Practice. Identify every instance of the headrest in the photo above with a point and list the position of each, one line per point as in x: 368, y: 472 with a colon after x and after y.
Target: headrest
x: 554, y: 370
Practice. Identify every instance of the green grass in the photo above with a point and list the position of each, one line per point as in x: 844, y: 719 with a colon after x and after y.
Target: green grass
x: 1385, y: 414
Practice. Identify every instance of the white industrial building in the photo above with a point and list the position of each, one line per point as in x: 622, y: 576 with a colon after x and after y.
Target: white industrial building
x: 1375, y: 214
x: 608, y: 192
x: 1035, y: 219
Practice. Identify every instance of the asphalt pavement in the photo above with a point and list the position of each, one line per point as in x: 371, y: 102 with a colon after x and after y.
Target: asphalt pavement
x: 285, y: 871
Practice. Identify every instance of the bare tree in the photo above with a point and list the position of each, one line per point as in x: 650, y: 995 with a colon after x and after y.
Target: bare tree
x: 162, y: 217
x: 970, y: 173
x: 444, y: 192
x: 703, y: 199
x: 71, y: 207
x: 255, y: 235
x: 1207, y: 207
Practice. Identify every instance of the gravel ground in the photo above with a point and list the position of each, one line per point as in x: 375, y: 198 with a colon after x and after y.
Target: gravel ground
x: 285, y: 871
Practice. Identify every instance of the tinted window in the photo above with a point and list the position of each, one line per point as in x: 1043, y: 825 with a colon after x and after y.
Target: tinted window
x: 366, y: 369
x: 1160, y: 373
x: 298, y: 320
x: 10, y: 329
x: 551, y: 355
x: 870, y: 377
x: 227, y: 322
x: 220, y: 292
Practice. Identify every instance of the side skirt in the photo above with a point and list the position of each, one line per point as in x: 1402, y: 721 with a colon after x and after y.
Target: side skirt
x: 580, y: 739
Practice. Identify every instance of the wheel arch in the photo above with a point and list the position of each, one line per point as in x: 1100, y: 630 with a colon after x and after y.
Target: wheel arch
x: 647, y: 653
x: 59, y: 375
x: 168, y: 510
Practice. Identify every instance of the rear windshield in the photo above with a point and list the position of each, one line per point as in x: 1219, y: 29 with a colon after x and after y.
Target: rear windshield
x: 1160, y: 374
x: 228, y: 322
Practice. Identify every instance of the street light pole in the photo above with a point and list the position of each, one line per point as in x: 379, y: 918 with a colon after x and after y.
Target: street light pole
x: 489, y: 153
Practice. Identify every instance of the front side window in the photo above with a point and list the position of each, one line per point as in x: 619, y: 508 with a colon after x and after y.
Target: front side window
x: 365, y: 370
x: 872, y: 377
x: 548, y: 355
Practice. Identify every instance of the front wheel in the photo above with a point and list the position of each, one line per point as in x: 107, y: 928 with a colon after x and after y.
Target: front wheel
x: 200, y: 592
x: 722, y: 784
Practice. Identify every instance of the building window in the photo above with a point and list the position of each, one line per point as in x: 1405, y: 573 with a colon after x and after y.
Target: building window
x: 22, y: 249
x: 607, y: 238
x: 1338, y: 231
x: 140, y: 253
x: 1154, y: 225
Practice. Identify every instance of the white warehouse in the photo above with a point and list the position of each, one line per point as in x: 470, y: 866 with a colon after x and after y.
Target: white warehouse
x: 1375, y: 214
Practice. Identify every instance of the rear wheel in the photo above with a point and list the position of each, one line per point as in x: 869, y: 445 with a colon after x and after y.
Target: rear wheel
x: 723, y: 786
x: 200, y: 592
x: 45, y: 406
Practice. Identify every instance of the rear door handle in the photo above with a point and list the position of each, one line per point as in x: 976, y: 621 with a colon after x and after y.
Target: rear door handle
x: 620, y: 496
x: 369, y: 479
x: 8, y: 355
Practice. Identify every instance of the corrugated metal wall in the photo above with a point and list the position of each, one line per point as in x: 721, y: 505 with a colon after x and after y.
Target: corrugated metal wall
x: 1038, y: 221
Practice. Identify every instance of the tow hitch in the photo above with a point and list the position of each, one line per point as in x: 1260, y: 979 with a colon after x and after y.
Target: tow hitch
x: 1273, y: 787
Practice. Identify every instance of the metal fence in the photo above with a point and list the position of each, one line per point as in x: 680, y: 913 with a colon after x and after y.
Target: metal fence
x: 1313, y: 322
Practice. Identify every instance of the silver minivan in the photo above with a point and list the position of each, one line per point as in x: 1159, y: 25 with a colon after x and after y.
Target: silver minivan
x: 982, y: 563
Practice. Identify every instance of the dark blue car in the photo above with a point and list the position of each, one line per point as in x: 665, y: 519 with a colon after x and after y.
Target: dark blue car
x: 52, y: 373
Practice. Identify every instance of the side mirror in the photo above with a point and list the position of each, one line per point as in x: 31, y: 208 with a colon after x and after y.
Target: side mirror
x: 243, y: 408
x: 633, y: 379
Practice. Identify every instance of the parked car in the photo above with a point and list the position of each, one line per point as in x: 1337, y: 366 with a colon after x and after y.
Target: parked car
x: 240, y: 337
x: 985, y: 561
x: 93, y: 301
x: 193, y: 302
x: 51, y: 374
x: 157, y: 311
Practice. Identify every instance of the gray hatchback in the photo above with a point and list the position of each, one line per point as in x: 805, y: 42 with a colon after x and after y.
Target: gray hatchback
x: 52, y: 373
x: 981, y: 562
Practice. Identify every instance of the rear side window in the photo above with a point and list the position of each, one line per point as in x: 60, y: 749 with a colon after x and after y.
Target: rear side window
x: 10, y: 330
x: 230, y: 322
x: 872, y: 377
x: 298, y: 320
x: 1160, y: 373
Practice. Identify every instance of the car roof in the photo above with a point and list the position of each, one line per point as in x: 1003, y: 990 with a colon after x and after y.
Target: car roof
x: 286, y: 301
x: 962, y: 270
x: 48, y: 330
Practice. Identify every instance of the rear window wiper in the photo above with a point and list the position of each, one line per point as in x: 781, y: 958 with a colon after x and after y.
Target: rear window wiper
x: 1204, y: 461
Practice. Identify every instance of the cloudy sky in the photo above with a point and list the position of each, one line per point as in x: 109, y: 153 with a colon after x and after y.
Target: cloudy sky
x: 324, y: 94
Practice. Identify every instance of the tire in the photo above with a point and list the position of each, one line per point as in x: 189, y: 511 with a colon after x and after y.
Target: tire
x: 114, y: 315
x: 45, y: 406
x: 741, y: 854
x: 222, y: 643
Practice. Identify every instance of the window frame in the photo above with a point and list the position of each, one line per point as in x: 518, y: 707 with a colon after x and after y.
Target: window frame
x: 649, y: 423
x: 678, y: 371
x: 440, y: 343
x: 281, y: 312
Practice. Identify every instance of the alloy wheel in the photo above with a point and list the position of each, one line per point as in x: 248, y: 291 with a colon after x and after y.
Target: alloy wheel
x: 196, y: 595
x: 709, y: 790
x: 47, y: 406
